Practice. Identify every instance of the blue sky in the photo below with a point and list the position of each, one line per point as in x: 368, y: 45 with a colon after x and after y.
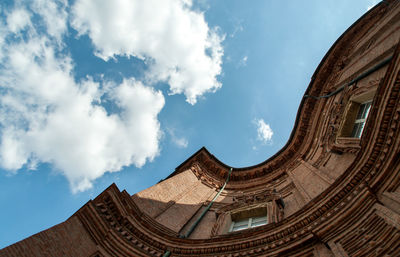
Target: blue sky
x: 96, y: 92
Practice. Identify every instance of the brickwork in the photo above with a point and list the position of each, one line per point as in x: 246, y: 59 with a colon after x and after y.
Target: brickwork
x: 66, y: 239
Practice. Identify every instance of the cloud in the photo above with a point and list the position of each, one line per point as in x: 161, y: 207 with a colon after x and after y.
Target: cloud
x: 48, y: 117
x: 172, y: 39
x: 243, y: 61
x: 181, y: 142
x: 237, y: 28
x: 264, y: 131
x: 18, y: 20
x: 54, y: 16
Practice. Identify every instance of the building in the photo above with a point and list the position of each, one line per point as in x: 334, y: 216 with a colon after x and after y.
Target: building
x: 333, y: 190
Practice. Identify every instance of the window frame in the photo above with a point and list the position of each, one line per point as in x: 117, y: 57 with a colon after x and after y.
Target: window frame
x: 359, y: 122
x: 350, y: 119
x: 250, y: 223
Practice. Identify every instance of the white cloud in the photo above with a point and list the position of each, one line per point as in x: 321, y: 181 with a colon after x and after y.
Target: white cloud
x: 264, y: 131
x: 54, y: 15
x: 243, y: 61
x: 181, y: 142
x: 47, y: 116
x: 238, y: 28
x: 173, y: 39
x: 18, y: 20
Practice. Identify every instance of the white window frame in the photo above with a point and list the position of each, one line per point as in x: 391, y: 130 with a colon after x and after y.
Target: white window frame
x: 359, y: 124
x: 250, y: 223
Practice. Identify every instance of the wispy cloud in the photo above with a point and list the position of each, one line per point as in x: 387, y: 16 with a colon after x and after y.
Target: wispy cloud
x: 264, y: 131
x: 238, y: 28
x: 243, y: 61
x: 180, y: 142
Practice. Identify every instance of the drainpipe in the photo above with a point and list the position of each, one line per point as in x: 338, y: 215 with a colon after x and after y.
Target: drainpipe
x: 166, y: 254
x: 359, y: 77
x: 194, y: 225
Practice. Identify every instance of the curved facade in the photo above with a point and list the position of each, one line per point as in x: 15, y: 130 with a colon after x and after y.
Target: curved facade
x: 333, y: 190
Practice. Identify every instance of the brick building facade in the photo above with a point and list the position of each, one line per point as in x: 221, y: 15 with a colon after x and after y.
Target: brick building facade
x: 333, y: 190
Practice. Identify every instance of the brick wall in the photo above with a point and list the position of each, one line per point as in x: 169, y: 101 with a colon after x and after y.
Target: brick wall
x: 65, y: 239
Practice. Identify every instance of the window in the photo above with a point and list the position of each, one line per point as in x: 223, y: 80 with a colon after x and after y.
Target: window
x: 356, y: 115
x: 361, y: 119
x: 251, y: 222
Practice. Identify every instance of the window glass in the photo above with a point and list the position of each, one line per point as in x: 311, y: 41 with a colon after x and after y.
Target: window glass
x: 361, y: 118
x: 250, y: 222
x: 259, y: 221
x: 239, y: 225
x: 237, y: 228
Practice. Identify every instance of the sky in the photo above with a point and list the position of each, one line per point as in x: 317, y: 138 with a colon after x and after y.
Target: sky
x: 95, y: 92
